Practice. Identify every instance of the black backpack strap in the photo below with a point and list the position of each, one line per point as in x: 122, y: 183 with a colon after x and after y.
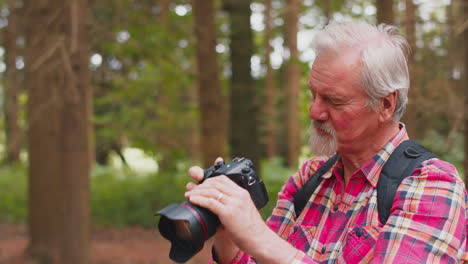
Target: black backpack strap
x: 303, y: 194
x: 402, y: 162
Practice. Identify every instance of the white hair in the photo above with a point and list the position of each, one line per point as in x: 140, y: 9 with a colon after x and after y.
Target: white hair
x: 383, y: 57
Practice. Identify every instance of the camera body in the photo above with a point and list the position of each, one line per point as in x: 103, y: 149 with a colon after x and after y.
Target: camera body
x: 241, y: 171
x: 188, y: 226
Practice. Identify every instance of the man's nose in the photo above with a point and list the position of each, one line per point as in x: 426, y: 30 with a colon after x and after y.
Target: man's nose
x: 317, y: 110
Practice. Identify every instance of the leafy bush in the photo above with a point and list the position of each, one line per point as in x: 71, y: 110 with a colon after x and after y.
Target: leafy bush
x: 449, y: 148
x: 131, y: 199
x: 121, y: 197
x: 13, y: 194
x: 274, y: 174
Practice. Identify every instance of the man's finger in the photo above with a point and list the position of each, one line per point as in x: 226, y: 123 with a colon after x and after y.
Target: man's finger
x: 190, y: 186
x: 196, y: 173
x: 218, y: 159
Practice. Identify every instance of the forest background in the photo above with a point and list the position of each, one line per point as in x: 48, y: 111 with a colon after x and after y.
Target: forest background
x: 106, y: 104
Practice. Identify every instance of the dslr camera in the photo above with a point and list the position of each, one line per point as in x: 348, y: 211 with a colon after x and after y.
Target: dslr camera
x: 188, y: 226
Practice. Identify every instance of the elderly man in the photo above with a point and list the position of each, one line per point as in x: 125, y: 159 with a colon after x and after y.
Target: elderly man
x: 359, y: 85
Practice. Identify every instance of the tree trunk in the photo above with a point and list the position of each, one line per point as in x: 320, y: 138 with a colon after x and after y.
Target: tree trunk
x: 209, y: 86
x: 293, y: 82
x: 11, y: 87
x: 465, y: 44
x: 269, y: 110
x: 243, y: 138
x: 58, y: 83
x: 411, y: 116
x: 327, y: 11
x: 164, y: 7
x: 385, y: 13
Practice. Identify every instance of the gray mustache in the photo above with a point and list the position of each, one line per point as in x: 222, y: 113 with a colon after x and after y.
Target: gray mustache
x: 325, y: 126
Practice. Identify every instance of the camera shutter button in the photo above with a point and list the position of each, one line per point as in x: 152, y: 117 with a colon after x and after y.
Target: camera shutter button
x: 246, y: 170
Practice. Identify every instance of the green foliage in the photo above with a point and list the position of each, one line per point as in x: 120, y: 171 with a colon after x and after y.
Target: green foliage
x: 274, y: 174
x: 125, y: 198
x: 13, y: 194
x: 129, y: 199
x: 144, y: 88
x: 448, y: 148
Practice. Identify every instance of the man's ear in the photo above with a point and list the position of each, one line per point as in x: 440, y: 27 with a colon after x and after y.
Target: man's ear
x: 388, y: 106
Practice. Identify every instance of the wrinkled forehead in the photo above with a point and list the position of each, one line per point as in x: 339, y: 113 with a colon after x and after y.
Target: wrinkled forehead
x: 339, y: 66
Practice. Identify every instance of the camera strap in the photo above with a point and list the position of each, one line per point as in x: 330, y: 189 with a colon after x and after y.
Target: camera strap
x: 401, y: 164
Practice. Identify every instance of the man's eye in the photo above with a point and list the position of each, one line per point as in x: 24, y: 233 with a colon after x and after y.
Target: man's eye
x: 335, y: 102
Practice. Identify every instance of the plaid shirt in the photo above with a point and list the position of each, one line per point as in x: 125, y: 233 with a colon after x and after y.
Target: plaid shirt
x: 427, y: 222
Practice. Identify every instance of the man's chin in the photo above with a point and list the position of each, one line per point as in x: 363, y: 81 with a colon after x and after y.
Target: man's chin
x: 322, y: 145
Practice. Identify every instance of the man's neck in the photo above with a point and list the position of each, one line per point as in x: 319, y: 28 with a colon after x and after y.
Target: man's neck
x: 366, y: 150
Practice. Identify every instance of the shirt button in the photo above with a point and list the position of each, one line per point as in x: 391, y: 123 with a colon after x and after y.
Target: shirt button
x: 359, y: 232
x: 324, y: 249
x: 335, y: 208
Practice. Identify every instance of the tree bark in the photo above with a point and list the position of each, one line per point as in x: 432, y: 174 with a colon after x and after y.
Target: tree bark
x: 411, y: 116
x: 293, y: 82
x: 385, y: 13
x: 465, y: 44
x: 327, y: 11
x: 164, y: 6
x: 58, y: 83
x: 209, y: 87
x: 12, y: 87
x: 243, y: 138
x: 269, y: 107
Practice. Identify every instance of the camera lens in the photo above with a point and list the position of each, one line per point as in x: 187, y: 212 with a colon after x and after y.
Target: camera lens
x: 187, y: 227
x: 182, y: 229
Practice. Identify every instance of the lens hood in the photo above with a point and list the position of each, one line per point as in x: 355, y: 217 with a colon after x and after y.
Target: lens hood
x: 202, y: 225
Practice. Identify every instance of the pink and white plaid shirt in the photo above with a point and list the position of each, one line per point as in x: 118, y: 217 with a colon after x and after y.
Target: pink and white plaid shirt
x: 427, y: 222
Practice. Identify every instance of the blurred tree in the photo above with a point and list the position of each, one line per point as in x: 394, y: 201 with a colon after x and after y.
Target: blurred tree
x: 327, y: 11
x: 107, y: 139
x: 211, y: 103
x: 293, y: 8
x: 385, y: 13
x: 145, y: 78
x: 269, y: 105
x: 465, y: 44
x: 12, y: 86
x: 411, y: 116
x: 330, y: 7
x: 243, y: 138
x: 453, y: 85
x: 57, y: 79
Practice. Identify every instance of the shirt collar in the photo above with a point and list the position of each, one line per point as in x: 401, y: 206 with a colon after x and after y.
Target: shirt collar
x: 371, y: 169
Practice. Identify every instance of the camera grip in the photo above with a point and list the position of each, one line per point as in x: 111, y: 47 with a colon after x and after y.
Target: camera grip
x: 258, y: 194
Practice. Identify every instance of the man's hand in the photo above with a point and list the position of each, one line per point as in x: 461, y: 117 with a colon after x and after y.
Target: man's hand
x: 226, y: 249
x: 242, y: 226
x: 232, y: 204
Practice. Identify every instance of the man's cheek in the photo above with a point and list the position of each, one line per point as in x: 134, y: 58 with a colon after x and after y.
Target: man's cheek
x: 341, y: 124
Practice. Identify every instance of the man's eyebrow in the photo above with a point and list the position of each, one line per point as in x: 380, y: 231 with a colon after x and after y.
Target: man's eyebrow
x: 334, y: 97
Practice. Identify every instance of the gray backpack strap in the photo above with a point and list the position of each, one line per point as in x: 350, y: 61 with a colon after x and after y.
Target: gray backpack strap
x: 401, y: 164
x: 303, y: 194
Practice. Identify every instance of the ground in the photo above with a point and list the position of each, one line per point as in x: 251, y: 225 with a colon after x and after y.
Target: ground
x: 108, y: 246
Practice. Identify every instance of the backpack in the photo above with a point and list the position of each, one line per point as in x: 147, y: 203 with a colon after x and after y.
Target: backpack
x: 401, y: 163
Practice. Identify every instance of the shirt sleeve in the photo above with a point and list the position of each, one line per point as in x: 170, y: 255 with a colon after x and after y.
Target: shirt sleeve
x: 283, y: 216
x: 428, y: 218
